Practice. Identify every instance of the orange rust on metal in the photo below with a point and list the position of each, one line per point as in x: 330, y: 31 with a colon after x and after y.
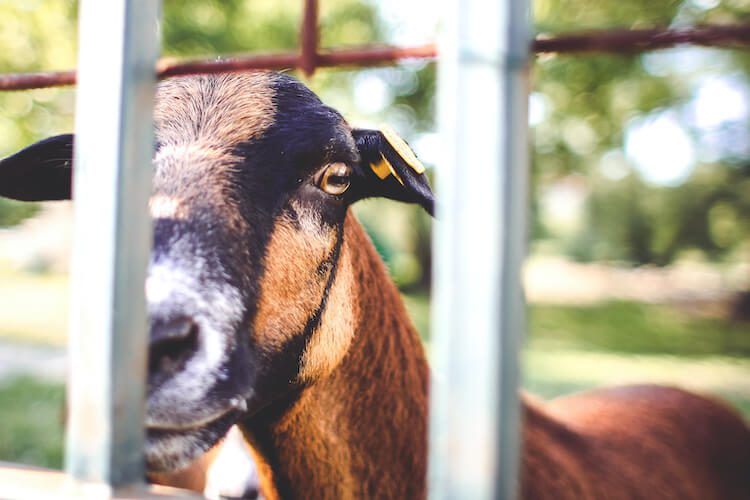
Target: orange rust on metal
x: 372, y: 55
x: 167, y: 69
x: 309, y: 38
x: 628, y: 41
x: 25, y: 81
x: 364, y: 56
x: 622, y: 41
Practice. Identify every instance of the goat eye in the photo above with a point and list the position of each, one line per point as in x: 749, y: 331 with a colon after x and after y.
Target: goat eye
x: 336, y: 178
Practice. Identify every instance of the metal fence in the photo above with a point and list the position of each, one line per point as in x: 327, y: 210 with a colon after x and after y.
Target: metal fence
x: 479, y: 242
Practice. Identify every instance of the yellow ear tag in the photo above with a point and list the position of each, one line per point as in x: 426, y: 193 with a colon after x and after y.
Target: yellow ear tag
x: 384, y: 168
x: 403, y: 149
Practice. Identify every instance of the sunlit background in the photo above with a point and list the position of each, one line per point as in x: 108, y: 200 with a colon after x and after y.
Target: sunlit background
x: 639, y: 260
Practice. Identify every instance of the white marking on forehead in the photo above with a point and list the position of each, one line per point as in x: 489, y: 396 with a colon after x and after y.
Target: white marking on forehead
x: 167, y: 207
x: 191, y: 149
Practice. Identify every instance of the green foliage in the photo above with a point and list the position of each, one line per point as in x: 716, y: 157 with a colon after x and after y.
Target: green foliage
x: 589, y: 101
x: 204, y: 28
x: 710, y: 212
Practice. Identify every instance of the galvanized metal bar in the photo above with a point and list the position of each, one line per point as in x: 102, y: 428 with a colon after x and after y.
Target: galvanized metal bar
x: 113, y: 148
x: 479, y: 246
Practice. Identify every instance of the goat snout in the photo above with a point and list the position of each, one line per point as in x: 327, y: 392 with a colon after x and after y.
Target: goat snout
x: 173, y: 342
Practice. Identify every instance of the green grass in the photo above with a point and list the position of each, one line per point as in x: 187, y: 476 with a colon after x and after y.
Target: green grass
x: 636, y: 328
x: 31, y: 431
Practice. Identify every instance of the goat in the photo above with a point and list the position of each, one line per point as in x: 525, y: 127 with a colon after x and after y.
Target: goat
x: 270, y: 308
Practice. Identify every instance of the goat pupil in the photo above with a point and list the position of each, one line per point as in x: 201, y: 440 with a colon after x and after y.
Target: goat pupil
x: 338, y: 179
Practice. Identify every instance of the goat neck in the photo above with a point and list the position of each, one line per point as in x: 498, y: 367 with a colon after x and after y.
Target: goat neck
x: 360, y: 432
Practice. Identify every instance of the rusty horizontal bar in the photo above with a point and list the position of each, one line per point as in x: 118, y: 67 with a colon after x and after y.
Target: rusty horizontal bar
x: 363, y: 56
x: 167, y: 69
x: 611, y: 41
x: 25, y: 81
x: 345, y: 57
x: 625, y: 41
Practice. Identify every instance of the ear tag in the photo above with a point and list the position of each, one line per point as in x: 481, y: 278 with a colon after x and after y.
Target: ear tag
x: 403, y: 149
x: 384, y: 168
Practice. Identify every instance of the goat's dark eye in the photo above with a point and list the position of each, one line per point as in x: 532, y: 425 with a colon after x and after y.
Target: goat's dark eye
x: 336, y: 178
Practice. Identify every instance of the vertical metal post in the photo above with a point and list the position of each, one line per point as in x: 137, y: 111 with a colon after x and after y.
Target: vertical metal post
x: 118, y: 48
x: 479, y: 245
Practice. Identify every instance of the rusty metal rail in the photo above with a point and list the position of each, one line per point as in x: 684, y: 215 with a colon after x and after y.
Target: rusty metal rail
x: 311, y: 57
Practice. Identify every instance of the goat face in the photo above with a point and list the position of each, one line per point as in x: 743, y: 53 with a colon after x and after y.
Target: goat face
x: 248, y: 292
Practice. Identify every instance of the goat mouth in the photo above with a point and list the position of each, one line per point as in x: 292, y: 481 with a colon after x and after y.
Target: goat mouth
x: 172, y: 448
x: 161, y: 430
x: 236, y: 407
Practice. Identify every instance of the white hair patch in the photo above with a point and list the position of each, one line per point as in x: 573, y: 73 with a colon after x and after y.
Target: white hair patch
x: 233, y: 472
x: 167, y: 207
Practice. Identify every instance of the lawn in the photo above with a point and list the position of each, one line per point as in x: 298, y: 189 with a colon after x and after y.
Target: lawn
x: 569, y: 348
x: 32, y: 422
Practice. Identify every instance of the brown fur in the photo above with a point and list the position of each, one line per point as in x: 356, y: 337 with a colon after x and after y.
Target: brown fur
x: 199, y: 120
x: 635, y: 442
x: 331, y: 341
x: 359, y: 432
x: 223, y: 110
x: 291, y: 288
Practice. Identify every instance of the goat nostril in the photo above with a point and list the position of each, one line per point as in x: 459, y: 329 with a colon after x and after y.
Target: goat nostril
x: 173, y: 343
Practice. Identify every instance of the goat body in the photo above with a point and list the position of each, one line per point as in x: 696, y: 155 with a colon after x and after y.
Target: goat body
x: 361, y: 432
x: 634, y: 442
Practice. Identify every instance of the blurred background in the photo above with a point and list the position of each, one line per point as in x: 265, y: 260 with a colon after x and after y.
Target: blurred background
x: 639, y: 253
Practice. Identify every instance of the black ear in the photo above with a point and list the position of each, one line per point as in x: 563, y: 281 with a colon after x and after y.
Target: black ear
x: 390, y: 168
x: 42, y: 171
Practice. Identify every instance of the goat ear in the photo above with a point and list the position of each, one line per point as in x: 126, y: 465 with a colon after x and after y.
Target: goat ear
x: 391, y: 169
x: 42, y: 171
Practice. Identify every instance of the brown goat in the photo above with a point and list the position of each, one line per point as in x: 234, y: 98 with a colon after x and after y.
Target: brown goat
x: 270, y: 308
